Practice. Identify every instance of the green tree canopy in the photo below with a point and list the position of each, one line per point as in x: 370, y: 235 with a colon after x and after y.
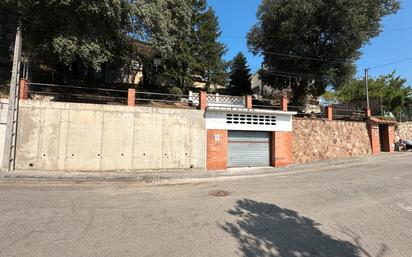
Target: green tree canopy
x: 240, y: 77
x: 196, y: 54
x: 390, y: 90
x: 67, y: 34
x: 314, y: 42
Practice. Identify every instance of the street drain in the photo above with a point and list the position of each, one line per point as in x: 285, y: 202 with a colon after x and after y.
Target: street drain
x: 219, y: 193
x: 153, y: 180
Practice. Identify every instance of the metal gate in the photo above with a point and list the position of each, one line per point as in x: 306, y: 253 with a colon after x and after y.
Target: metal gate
x: 248, y: 149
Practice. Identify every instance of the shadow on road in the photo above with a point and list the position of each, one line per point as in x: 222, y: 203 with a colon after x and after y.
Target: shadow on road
x: 268, y: 230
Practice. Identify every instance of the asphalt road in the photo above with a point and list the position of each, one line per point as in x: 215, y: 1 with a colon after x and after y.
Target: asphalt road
x: 352, y: 210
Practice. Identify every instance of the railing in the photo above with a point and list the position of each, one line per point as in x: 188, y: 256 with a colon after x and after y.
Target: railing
x: 149, y: 98
x: 80, y: 94
x: 349, y: 114
x: 218, y: 100
x: 225, y: 101
x: 267, y: 104
x: 67, y: 93
x: 309, y: 110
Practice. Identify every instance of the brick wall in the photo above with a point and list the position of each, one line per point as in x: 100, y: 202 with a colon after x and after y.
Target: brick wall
x: 282, y: 149
x: 217, y: 141
x: 374, y: 137
x: 316, y: 140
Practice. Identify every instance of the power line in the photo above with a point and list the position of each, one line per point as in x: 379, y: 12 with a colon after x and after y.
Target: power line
x: 391, y: 63
x: 286, y: 73
x: 305, y: 57
x: 306, y: 33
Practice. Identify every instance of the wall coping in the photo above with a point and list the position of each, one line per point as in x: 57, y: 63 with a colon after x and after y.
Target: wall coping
x: 326, y: 120
x: 27, y: 104
x: 245, y: 110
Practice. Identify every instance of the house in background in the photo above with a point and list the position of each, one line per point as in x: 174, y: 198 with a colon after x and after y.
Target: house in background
x: 308, y: 104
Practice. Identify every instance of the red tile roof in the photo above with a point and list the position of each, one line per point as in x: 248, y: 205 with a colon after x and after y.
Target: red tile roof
x: 383, y: 122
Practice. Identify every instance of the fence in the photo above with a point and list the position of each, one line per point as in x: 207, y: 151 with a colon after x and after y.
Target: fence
x: 218, y: 100
x: 349, y: 114
x: 275, y: 104
x: 309, y: 110
x: 77, y: 94
x: 80, y: 94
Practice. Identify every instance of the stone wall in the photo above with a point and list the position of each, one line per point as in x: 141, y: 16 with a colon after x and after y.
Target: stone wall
x: 88, y: 137
x: 404, y: 130
x: 316, y: 140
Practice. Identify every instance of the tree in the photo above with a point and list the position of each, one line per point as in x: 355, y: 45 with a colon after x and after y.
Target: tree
x: 65, y: 34
x: 164, y: 25
x: 69, y: 37
x: 7, y: 32
x: 186, y: 41
x: 389, y: 90
x: 207, y: 49
x: 240, y: 77
x: 310, y: 45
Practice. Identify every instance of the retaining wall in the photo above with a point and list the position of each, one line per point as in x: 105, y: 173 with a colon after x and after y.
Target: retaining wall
x: 87, y: 137
x: 316, y: 140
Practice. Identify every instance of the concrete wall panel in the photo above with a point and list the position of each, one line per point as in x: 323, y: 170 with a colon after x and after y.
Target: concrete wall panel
x: 84, y: 140
x: 28, y: 138
x: 197, y: 143
x: 148, y: 141
x: 49, y: 139
x: 117, y: 141
x: 86, y: 137
x: 176, y: 142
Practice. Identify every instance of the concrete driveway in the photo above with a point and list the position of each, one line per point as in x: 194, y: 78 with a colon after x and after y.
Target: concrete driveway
x: 352, y: 210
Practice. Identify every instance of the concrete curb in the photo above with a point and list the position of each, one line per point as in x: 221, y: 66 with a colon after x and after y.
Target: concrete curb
x: 170, y: 178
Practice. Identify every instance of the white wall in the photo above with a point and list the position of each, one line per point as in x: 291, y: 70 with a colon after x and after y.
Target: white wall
x: 217, y: 119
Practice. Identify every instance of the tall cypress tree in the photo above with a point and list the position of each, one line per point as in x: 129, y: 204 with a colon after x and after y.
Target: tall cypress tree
x: 207, y: 49
x: 240, y: 77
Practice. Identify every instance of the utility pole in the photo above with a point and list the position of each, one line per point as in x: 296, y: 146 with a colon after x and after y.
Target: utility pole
x: 367, y: 88
x: 11, y: 128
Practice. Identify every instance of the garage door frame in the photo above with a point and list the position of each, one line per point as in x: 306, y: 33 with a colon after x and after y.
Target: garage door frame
x: 249, y: 149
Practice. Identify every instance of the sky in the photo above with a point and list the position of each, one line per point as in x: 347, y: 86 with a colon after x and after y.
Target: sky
x: 236, y: 17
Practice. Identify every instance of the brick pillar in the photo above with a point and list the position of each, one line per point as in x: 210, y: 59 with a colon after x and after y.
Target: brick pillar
x: 373, y: 130
x: 284, y: 104
x: 281, y: 149
x: 202, y: 100
x: 388, y: 138
x: 249, y: 103
x: 216, y: 145
x: 24, y: 90
x: 131, y: 97
x: 329, y: 113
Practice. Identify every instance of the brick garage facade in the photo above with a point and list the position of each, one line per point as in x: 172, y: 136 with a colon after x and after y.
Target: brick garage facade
x: 281, y: 149
x: 217, y: 149
x: 216, y: 145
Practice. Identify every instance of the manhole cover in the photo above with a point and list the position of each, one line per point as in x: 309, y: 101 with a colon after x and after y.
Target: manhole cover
x: 219, y: 193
